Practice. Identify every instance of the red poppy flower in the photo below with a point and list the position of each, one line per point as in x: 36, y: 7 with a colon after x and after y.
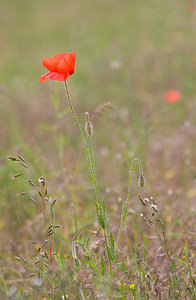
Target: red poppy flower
x: 172, y: 96
x: 61, y: 66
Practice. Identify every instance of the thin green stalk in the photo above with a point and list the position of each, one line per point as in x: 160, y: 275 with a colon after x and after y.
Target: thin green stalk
x: 163, y: 244
x: 125, y: 207
x: 45, y: 212
x: 89, y: 155
x: 88, y: 151
x: 76, y: 120
x: 52, y: 220
x: 98, y: 199
x: 94, y: 175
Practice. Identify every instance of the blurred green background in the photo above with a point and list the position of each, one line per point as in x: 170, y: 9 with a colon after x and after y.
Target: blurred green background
x: 129, y: 53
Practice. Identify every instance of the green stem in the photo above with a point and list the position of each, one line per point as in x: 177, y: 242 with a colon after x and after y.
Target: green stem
x: 98, y: 197
x: 94, y: 175
x: 52, y: 220
x: 76, y: 120
x: 125, y: 207
x: 45, y: 213
x: 164, y: 243
x: 89, y: 155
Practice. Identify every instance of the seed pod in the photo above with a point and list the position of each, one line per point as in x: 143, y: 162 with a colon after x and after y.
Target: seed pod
x: 141, y: 181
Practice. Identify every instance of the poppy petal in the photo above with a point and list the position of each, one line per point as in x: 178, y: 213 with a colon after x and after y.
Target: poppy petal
x: 54, y: 76
x: 60, y: 56
x: 50, y: 63
x: 67, y: 64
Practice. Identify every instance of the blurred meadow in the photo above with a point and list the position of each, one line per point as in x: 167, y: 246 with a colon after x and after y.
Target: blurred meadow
x: 129, y: 54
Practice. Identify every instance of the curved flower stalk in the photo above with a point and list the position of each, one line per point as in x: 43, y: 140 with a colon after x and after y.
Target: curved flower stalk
x: 88, y: 253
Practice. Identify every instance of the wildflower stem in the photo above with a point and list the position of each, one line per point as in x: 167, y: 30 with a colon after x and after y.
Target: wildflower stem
x: 89, y: 155
x: 93, y: 174
x: 45, y: 213
x: 163, y: 242
x: 76, y: 120
x: 52, y: 220
x: 98, y: 197
x: 125, y: 206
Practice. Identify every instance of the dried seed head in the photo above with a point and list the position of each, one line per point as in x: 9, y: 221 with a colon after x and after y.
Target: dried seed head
x: 141, y: 200
x: 18, y: 174
x: 150, y: 221
x: 141, y: 181
x: 142, y: 216
x: 33, y: 184
x: 153, y: 200
x: 12, y: 158
x: 146, y: 201
x: 23, y: 164
x: 53, y: 202
x: 155, y: 208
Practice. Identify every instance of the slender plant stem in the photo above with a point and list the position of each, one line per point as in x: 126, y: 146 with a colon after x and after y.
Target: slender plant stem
x: 52, y: 220
x: 99, y: 201
x: 45, y: 212
x: 77, y: 123
x: 89, y: 154
x: 94, y: 175
x: 125, y: 206
x: 163, y: 242
x: 88, y: 151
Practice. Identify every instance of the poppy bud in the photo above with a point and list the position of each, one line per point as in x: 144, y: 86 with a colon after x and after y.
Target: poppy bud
x: 141, y: 181
x: 89, y: 128
x: 88, y: 125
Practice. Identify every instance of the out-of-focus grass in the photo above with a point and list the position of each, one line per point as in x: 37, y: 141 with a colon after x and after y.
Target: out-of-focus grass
x: 128, y: 53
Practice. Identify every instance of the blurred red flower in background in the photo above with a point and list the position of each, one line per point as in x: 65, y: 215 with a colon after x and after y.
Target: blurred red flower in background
x: 61, y: 66
x: 172, y: 96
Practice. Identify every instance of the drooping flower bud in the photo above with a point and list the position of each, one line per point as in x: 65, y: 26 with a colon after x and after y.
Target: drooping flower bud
x: 141, y: 181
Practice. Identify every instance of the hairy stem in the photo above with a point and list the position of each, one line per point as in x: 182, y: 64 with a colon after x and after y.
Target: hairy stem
x: 89, y: 155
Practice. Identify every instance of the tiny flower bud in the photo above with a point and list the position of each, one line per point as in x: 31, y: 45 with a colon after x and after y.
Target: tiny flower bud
x: 141, y: 181
x: 89, y: 128
x: 88, y: 124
